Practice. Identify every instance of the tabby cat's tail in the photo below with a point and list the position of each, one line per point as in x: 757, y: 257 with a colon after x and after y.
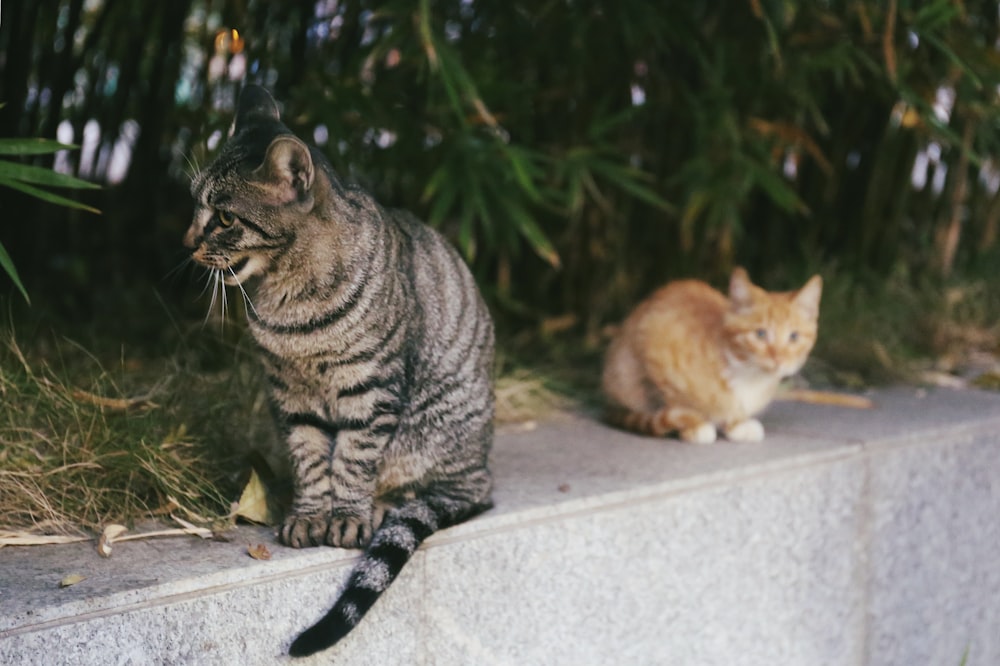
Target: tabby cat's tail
x: 392, y: 546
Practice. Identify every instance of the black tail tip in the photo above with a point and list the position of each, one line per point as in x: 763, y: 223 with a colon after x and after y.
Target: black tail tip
x: 309, y: 642
x: 317, y: 638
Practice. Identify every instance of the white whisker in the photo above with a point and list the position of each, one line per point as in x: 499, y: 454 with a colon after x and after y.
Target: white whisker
x: 213, y: 280
x: 187, y: 261
x: 208, y: 283
x: 246, y: 297
x: 222, y: 288
x: 192, y: 164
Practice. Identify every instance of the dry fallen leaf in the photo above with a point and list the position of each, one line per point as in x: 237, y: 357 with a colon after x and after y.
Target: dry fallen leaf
x: 198, y: 518
x: 108, y: 535
x: 253, y: 505
x: 29, y: 539
x: 192, y: 529
x: 826, y: 398
x: 259, y: 552
x: 71, y: 579
x: 113, y: 404
x: 116, y: 533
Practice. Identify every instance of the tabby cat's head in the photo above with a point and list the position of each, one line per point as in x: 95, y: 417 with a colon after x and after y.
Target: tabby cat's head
x: 249, y: 200
x: 773, y: 331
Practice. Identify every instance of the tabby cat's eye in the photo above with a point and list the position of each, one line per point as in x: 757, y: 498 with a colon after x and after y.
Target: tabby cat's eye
x: 226, y: 218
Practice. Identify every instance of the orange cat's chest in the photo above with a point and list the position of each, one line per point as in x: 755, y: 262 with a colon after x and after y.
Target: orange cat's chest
x: 696, y: 372
x: 749, y: 389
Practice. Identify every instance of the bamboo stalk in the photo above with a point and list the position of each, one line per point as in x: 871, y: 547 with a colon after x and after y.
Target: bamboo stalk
x: 950, y: 236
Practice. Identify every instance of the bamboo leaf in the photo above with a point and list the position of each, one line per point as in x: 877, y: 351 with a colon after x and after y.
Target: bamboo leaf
x: 524, y: 171
x: 37, y: 175
x: 774, y: 186
x: 49, y: 196
x: 536, y: 238
x: 941, y: 46
x: 935, y: 15
x: 443, y: 202
x: 437, y: 179
x: 630, y: 180
x: 696, y: 203
x: 8, y: 266
x: 32, y: 146
x: 479, y: 204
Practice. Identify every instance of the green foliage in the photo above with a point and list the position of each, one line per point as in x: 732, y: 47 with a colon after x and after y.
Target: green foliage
x: 578, y: 153
x: 625, y: 145
x: 32, y: 180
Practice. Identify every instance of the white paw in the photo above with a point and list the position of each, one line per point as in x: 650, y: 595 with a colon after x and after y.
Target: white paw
x: 746, y: 431
x: 703, y: 434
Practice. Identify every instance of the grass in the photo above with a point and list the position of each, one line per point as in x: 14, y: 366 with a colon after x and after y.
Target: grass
x: 81, y: 446
x: 905, y: 330
x: 541, y: 377
x: 90, y: 434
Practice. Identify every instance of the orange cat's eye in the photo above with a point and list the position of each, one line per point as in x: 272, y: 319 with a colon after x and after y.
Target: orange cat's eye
x: 793, y: 336
x: 761, y: 333
x: 226, y: 218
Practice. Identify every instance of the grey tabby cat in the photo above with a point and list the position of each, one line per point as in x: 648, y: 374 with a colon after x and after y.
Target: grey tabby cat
x: 377, y: 347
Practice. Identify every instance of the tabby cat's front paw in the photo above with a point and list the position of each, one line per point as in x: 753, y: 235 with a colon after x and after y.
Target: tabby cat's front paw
x: 342, y: 530
x: 304, y: 530
x: 349, y: 530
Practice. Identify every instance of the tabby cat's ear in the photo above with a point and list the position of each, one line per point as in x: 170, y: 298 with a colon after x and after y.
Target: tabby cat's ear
x: 740, y: 290
x: 289, y: 167
x: 807, y: 297
x: 255, y: 104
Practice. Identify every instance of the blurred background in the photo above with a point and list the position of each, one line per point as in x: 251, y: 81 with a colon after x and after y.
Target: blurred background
x: 579, y: 153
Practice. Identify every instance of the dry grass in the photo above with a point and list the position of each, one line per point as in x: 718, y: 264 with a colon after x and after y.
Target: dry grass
x: 524, y: 395
x: 75, y: 455
x: 896, y: 331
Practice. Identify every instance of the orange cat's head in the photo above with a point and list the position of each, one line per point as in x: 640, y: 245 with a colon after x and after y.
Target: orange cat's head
x: 772, y: 331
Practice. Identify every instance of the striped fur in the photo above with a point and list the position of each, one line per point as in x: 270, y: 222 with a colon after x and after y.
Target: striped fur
x: 690, y: 360
x: 377, y: 347
x: 660, y: 422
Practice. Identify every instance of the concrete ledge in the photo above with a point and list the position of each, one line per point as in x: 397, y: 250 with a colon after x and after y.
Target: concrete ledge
x: 844, y: 538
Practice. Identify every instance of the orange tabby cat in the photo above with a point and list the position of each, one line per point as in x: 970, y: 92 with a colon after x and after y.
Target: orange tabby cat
x: 689, y: 360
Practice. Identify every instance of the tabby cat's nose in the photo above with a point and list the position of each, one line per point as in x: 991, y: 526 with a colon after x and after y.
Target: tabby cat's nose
x: 192, y: 238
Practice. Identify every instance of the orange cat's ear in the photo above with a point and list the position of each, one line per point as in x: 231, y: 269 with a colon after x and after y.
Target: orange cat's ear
x: 740, y: 289
x: 807, y: 297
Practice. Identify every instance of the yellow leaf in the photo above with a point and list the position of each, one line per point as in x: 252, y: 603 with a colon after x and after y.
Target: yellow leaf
x: 108, y: 535
x: 71, y: 579
x: 253, y: 505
